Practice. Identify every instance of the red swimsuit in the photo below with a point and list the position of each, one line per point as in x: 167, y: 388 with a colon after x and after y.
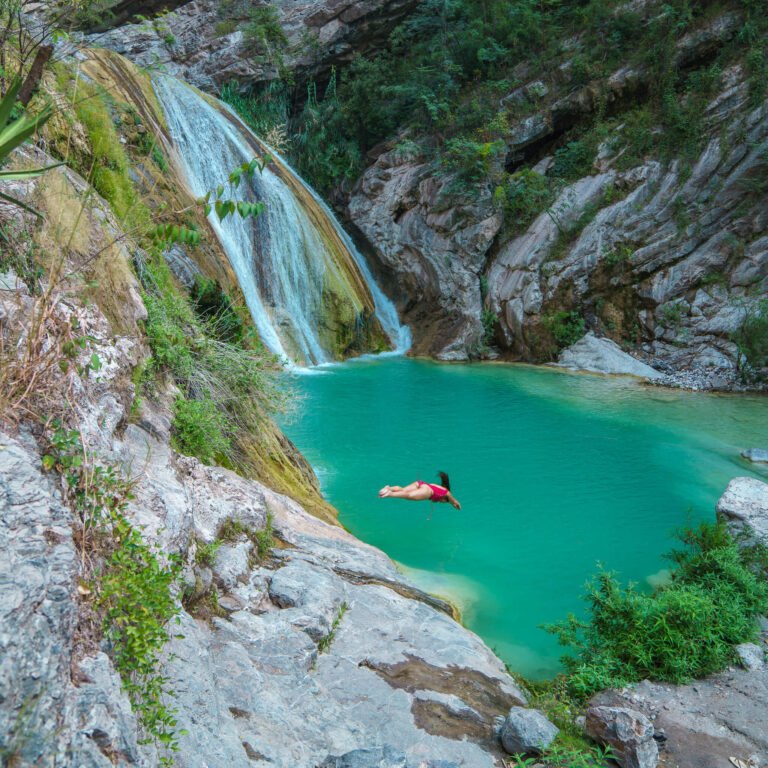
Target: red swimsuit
x: 438, y: 492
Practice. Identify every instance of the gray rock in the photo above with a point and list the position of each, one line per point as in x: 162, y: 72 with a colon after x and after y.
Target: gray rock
x: 192, y: 45
x: 752, y: 656
x: 44, y: 718
x: 706, y: 723
x: 379, y: 757
x: 435, y: 242
x: 757, y: 455
x: 231, y: 564
x: 628, y: 732
x: 744, y: 507
x: 527, y: 730
x: 603, y: 356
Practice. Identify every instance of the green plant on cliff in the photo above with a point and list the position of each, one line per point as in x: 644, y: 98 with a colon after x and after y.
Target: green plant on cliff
x: 680, y: 631
x: 131, y: 583
x: 752, y: 339
x: 566, y: 327
x: 230, y: 384
x: 201, y: 428
x: 522, y: 196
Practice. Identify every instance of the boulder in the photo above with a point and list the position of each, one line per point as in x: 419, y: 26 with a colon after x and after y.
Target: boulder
x: 231, y: 564
x: 603, y: 356
x: 751, y: 655
x: 527, y: 730
x: 744, y: 507
x: 756, y: 455
x: 628, y: 732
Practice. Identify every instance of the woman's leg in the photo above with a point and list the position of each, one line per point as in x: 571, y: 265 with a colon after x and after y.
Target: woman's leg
x: 412, y: 494
x: 388, y: 489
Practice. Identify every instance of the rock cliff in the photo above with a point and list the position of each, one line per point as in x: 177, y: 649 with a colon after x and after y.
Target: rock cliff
x: 298, y: 647
x: 663, y: 253
x: 204, y: 43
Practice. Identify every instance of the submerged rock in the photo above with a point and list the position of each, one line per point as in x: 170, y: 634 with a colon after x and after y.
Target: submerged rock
x: 603, y: 356
x: 527, y: 730
x: 628, y: 732
x: 756, y: 455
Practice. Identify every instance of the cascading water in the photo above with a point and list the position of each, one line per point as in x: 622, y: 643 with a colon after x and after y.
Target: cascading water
x: 295, y: 264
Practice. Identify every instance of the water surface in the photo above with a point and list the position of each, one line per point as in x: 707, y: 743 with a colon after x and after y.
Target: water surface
x: 556, y: 473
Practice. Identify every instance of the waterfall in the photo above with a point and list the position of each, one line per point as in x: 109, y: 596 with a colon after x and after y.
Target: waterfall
x: 304, y: 282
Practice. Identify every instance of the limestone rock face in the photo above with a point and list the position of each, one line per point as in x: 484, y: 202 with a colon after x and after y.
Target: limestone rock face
x: 680, y: 282
x: 527, y: 730
x: 202, y: 42
x: 744, y: 506
x: 432, y: 251
x: 603, y: 356
x: 327, y: 643
x: 629, y: 733
x: 45, y: 718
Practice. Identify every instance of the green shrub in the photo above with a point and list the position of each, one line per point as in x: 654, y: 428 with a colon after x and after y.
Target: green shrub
x: 523, y: 196
x: 470, y: 160
x: 135, y: 592
x: 223, y: 28
x: 215, y: 309
x: 566, y: 327
x: 752, y: 337
x: 205, y: 553
x: 490, y: 321
x: 263, y: 29
x: 680, y: 631
x: 672, y: 315
x: 107, y: 169
x: 326, y: 641
x: 263, y: 540
x: 621, y: 253
x: 229, y: 388
x: 574, y: 160
x: 200, y: 429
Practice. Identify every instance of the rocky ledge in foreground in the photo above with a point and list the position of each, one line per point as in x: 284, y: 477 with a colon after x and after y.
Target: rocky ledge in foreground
x: 320, y: 651
x: 707, y: 723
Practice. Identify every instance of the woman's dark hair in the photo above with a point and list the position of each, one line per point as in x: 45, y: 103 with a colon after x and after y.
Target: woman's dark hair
x: 444, y: 480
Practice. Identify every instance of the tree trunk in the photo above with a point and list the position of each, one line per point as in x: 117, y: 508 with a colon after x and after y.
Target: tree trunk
x: 44, y: 53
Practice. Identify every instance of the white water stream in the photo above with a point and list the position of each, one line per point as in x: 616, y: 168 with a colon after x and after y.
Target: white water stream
x: 280, y: 258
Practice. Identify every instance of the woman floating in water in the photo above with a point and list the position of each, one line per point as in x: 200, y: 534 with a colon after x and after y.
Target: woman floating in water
x: 420, y: 491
